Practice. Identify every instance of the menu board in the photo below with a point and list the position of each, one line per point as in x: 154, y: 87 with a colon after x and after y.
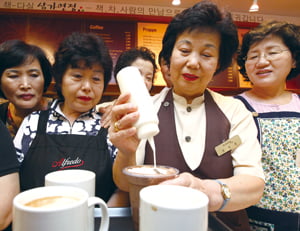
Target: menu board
x: 150, y: 35
x: 225, y: 79
x: 118, y: 36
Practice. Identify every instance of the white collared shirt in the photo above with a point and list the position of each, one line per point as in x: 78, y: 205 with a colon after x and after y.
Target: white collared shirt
x: 246, y: 158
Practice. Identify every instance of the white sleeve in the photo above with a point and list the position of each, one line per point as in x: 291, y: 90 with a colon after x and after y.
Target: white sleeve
x: 246, y: 158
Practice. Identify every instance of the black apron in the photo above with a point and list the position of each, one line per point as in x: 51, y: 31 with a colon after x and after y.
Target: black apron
x: 52, y: 152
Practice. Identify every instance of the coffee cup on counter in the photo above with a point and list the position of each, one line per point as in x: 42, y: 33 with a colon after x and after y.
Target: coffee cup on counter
x: 173, y: 207
x: 58, y: 208
x: 140, y: 176
x: 80, y: 178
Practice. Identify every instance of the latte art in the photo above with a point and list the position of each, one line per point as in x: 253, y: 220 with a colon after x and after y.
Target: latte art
x: 52, y: 202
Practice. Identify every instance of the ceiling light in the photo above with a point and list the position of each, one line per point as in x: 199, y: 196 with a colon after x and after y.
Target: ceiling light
x: 254, y: 7
x: 176, y: 2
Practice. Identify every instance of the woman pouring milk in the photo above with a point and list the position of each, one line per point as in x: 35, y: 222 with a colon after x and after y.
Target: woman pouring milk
x: 210, y: 138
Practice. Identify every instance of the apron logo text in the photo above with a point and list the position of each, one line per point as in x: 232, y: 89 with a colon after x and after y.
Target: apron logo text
x: 67, y: 163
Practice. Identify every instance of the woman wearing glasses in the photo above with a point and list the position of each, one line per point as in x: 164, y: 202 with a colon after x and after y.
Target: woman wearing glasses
x: 270, y: 55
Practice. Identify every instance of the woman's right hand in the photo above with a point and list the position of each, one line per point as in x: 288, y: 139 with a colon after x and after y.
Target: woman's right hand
x: 122, y: 133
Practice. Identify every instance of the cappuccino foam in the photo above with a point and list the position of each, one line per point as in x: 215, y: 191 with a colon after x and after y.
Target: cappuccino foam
x: 52, y: 202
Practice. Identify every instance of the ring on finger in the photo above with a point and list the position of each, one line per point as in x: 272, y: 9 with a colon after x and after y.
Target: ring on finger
x: 116, y: 126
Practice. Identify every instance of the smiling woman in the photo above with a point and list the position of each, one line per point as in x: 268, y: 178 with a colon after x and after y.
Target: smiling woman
x: 70, y: 131
x: 25, y: 74
x: 269, y: 57
x: 193, y: 50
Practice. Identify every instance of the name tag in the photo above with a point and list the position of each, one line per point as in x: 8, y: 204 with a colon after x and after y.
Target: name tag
x: 228, y: 145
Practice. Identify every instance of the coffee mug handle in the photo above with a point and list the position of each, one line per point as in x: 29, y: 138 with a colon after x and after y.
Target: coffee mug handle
x: 92, y: 201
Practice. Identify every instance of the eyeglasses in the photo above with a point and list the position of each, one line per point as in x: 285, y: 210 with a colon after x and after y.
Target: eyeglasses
x: 269, y: 55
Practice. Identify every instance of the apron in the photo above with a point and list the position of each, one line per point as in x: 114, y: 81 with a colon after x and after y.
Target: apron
x: 52, y: 152
x: 279, y: 135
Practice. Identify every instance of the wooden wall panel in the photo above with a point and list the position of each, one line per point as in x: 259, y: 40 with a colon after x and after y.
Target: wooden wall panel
x: 48, y: 32
x: 13, y: 27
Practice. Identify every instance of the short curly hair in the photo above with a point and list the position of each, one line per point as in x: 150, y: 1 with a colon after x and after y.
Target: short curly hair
x: 202, y: 16
x: 14, y: 53
x: 78, y: 47
x: 289, y: 33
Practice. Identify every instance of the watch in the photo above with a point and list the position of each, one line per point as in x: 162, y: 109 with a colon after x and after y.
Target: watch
x: 225, y: 193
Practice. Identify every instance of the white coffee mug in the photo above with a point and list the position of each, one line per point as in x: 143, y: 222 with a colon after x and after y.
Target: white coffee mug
x: 171, y: 207
x: 58, y: 208
x: 80, y: 178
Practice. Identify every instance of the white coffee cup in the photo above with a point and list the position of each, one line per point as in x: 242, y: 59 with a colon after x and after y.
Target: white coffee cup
x: 172, y: 207
x: 80, y: 178
x: 58, y: 208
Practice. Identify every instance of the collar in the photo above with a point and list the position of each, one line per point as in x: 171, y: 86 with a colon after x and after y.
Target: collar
x: 182, y: 101
x: 56, y: 110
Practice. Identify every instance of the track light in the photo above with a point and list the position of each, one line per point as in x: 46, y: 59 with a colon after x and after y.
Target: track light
x: 254, y: 7
x: 176, y: 2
